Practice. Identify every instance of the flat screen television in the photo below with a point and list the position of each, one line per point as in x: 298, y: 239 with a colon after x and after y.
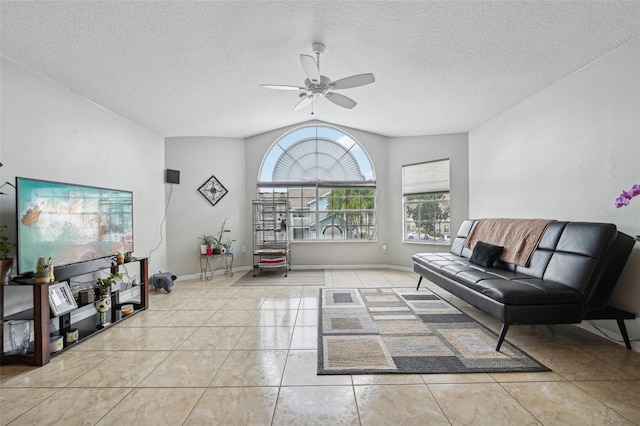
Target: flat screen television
x: 70, y: 223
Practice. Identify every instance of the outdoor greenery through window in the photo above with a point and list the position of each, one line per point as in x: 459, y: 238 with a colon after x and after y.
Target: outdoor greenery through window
x: 328, y: 181
x: 425, y: 190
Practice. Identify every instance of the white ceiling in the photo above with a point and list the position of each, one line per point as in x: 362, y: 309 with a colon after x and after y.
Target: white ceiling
x: 193, y: 68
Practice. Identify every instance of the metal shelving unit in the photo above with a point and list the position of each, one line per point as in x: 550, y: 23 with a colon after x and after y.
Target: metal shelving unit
x: 271, y: 245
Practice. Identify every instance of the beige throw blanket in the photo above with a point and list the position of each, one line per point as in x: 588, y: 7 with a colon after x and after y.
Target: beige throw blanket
x: 519, y: 237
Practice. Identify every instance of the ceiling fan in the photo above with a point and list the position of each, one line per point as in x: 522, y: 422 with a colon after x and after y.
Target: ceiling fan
x: 317, y: 85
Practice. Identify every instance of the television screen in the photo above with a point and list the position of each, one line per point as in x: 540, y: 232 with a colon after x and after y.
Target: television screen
x: 70, y: 223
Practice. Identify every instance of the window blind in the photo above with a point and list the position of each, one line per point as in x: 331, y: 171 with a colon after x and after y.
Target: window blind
x: 425, y: 177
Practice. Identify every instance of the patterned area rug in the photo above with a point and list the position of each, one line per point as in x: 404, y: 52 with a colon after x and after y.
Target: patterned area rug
x: 295, y: 277
x: 384, y: 330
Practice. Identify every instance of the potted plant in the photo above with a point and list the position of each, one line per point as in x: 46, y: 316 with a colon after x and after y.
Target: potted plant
x: 217, y: 246
x: 626, y: 196
x: 228, y: 246
x: 6, y: 262
x: 104, y: 284
x: 207, y: 244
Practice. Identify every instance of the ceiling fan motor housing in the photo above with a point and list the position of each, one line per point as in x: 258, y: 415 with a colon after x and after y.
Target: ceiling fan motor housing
x: 321, y: 87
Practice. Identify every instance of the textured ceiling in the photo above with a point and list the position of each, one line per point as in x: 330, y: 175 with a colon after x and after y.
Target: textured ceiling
x: 187, y: 68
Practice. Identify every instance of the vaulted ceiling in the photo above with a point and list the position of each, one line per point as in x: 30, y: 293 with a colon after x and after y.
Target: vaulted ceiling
x: 193, y: 68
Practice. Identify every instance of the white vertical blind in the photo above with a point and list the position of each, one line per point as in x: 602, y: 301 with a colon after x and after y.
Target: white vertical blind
x: 425, y: 177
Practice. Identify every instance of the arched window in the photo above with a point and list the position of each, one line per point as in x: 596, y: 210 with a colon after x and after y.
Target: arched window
x: 328, y: 180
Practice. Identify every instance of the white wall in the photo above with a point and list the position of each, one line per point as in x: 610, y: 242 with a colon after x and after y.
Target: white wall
x: 419, y: 149
x: 189, y: 214
x: 566, y: 153
x: 49, y: 132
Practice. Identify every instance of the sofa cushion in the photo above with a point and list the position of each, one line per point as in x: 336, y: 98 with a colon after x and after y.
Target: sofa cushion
x: 529, y: 291
x: 485, y: 254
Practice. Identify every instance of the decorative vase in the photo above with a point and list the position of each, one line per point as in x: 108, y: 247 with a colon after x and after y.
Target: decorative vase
x: 203, y: 249
x: 209, y: 251
x: 19, y: 335
x: 6, y: 265
x: 52, y: 276
x: 216, y: 250
x: 42, y: 274
x: 103, y: 306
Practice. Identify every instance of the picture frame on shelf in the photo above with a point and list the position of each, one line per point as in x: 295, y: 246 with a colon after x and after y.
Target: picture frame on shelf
x: 61, y: 299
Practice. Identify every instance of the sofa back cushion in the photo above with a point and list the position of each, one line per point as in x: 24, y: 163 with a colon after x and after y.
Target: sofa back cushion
x: 539, y: 259
x: 580, y: 254
x: 457, y: 245
x: 542, y: 255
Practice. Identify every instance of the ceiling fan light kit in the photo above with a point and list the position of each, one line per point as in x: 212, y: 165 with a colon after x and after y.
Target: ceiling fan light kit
x: 317, y: 85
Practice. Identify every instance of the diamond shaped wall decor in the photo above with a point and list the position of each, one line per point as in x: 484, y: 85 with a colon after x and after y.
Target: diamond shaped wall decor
x: 213, y: 190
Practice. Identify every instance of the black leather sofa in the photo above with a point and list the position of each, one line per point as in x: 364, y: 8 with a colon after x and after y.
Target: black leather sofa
x: 570, y: 277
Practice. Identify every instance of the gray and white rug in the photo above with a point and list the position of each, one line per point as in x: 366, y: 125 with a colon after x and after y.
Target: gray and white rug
x: 385, y: 330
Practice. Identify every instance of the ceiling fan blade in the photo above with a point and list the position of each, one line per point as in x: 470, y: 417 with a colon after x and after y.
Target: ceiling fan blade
x: 303, y: 103
x: 310, y: 68
x: 281, y: 87
x: 353, y: 81
x: 341, y: 100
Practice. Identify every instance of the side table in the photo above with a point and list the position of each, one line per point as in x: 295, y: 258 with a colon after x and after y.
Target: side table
x: 206, y: 271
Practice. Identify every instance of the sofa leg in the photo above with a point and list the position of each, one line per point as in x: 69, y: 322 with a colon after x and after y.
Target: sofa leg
x: 623, y: 331
x: 419, y: 281
x: 503, y: 332
x: 619, y: 315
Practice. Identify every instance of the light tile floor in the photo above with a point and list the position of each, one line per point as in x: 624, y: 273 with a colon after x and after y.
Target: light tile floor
x: 213, y: 353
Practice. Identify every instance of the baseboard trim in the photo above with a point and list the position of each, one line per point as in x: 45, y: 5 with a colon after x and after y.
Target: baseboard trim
x: 305, y: 267
x: 376, y: 266
x: 216, y: 273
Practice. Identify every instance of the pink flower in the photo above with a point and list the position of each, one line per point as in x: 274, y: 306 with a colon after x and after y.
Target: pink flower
x: 625, y: 197
x: 622, y: 201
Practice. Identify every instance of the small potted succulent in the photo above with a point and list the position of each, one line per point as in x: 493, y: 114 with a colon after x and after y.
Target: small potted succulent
x: 228, y: 247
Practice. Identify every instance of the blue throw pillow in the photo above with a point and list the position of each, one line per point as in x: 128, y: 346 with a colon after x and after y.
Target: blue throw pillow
x: 485, y: 254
